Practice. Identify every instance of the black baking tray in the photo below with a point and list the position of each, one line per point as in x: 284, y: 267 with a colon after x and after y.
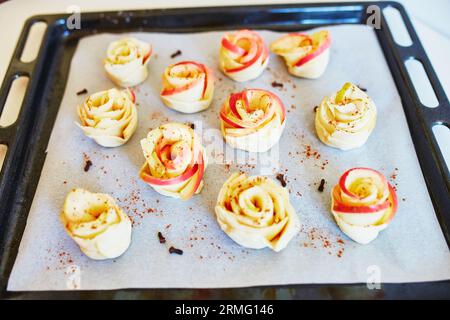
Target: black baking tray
x: 28, y: 137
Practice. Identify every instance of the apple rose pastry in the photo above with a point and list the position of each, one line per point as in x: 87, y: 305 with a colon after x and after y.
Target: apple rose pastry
x: 126, y: 61
x: 253, y: 120
x: 97, y: 224
x: 305, y: 56
x: 188, y: 87
x: 109, y: 117
x: 363, y: 204
x: 256, y: 212
x: 243, y: 55
x: 346, y: 120
x: 175, y: 161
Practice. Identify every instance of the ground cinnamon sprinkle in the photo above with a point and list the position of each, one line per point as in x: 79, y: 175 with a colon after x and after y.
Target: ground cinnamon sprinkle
x: 309, y: 152
x: 60, y: 259
x: 318, y: 239
x: 393, y: 177
x: 137, y: 207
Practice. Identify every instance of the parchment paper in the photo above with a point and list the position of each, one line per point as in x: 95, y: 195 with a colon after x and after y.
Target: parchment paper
x: 411, y: 249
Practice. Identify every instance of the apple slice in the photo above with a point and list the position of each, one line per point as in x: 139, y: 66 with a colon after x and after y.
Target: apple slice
x: 340, y: 95
x: 375, y: 208
x: 187, y: 82
x: 133, y: 95
x: 324, y: 45
x: 232, y: 103
x: 248, y: 63
x: 272, y: 96
x: 256, y: 50
x: 231, y: 47
x: 394, y: 206
x: 147, y: 56
x: 192, y: 186
x: 355, y: 173
x: 341, y: 207
x: 144, y: 174
x: 245, y: 96
x: 228, y: 121
x: 203, y: 69
x: 175, y: 157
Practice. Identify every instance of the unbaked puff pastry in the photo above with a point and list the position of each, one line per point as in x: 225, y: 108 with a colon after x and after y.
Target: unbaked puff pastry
x: 97, y: 224
x: 305, y: 56
x: 252, y: 120
x: 363, y: 203
x: 346, y: 119
x: 126, y: 61
x: 256, y: 213
x: 109, y: 117
x: 243, y: 55
x: 175, y: 161
x: 188, y: 87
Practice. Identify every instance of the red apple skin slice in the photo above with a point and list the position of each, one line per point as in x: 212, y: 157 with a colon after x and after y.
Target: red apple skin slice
x: 171, y: 91
x: 171, y: 164
x: 167, y: 182
x: 133, y: 95
x: 228, y: 121
x: 147, y: 56
x: 196, y: 180
x: 232, y: 103
x: 272, y: 95
x: 283, y: 108
x: 245, y: 66
x: 231, y: 47
x: 345, y: 175
x: 340, y: 207
x: 243, y: 95
x: 314, y: 54
x: 394, y: 201
x: 204, y: 69
x: 259, y: 52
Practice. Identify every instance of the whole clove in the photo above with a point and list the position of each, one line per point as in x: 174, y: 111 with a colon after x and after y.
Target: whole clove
x: 277, y: 84
x: 175, y: 250
x: 84, y: 91
x: 280, y: 177
x: 175, y: 54
x: 87, y: 165
x: 161, y: 238
x: 321, y: 186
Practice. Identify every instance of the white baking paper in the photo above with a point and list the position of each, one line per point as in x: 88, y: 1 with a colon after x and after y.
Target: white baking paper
x: 411, y: 249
